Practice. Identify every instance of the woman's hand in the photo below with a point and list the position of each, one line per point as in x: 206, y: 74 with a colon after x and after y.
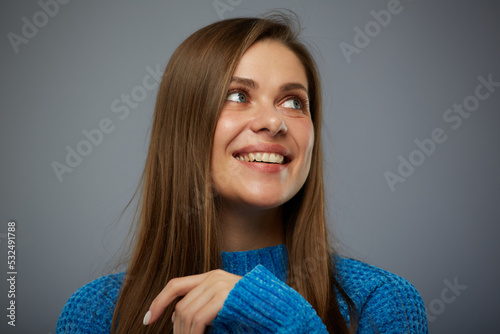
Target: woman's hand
x: 204, y: 296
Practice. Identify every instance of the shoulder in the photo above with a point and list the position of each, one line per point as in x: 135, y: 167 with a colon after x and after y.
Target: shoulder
x: 384, y: 301
x: 90, y: 309
x: 360, y: 280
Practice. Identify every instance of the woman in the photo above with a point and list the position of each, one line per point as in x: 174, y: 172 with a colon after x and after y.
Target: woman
x: 232, y: 233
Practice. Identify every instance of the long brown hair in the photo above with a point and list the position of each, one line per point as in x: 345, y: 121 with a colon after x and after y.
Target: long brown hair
x: 177, y: 228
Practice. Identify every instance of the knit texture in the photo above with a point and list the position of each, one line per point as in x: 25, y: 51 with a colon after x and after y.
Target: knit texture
x: 261, y: 302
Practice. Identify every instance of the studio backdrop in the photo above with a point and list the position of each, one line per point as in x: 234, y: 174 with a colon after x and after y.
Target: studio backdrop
x: 411, y: 134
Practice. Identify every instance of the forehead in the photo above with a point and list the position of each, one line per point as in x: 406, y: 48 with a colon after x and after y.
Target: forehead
x: 271, y: 61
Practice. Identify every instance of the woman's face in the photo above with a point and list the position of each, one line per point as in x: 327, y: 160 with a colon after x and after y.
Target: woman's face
x: 264, y: 136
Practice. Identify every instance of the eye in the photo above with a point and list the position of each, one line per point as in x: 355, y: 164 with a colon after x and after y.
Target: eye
x: 236, y: 97
x: 293, y: 104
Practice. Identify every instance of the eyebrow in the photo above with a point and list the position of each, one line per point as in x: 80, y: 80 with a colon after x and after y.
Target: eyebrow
x: 292, y: 86
x: 245, y: 82
x: 284, y: 88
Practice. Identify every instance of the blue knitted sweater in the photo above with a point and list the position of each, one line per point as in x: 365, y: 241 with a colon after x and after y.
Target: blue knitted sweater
x: 261, y: 301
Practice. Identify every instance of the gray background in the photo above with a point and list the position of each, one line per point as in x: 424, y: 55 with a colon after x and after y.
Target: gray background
x: 439, y: 226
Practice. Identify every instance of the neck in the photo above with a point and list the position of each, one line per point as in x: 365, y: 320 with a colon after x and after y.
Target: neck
x: 248, y: 229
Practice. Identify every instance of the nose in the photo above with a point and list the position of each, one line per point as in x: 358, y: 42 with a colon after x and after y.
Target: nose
x: 270, y: 120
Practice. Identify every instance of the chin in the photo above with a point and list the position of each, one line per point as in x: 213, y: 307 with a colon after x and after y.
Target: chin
x: 265, y: 204
x: 265, y: 199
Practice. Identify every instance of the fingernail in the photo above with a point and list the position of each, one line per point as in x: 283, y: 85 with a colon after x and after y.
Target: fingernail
x: 146, y: 318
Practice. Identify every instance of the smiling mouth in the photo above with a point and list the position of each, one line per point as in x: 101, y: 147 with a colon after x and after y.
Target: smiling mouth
x: 262, y: 157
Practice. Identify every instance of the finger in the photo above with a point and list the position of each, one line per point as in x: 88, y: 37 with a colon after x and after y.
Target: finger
x: 178, y: 325
x: 195, y: 296
x: 197, y: 323
x: 213, y: 290
x: 206, y: 314
x: 188, y: 307
x: 175, y: 287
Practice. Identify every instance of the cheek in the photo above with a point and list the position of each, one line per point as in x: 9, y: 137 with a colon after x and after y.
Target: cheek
x: 227, y: 130
x: 307, y: 139
x: 308, y: 146
x: 228, y: 127
x: 221, y: 137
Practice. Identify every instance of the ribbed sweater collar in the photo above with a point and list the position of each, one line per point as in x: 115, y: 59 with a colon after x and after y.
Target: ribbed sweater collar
x: 274, y: 258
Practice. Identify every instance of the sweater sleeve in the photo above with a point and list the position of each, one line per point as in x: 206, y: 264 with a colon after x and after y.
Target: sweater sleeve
x: 90, y: 309
x: 261, y: 303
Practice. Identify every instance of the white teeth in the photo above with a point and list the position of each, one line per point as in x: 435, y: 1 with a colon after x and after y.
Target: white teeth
x: 262, y: 157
